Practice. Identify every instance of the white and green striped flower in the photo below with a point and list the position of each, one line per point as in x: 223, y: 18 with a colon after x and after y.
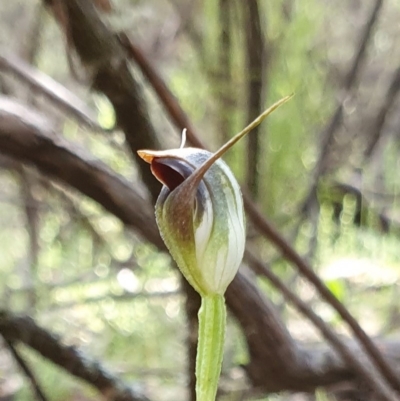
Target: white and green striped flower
x: 202, y: 227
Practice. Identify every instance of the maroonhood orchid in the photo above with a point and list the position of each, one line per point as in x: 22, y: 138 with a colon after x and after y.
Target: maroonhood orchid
x: 202, y: 227
x: 200, y: 216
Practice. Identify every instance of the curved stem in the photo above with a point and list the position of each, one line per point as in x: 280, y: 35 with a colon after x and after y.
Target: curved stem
x: 212, y: 321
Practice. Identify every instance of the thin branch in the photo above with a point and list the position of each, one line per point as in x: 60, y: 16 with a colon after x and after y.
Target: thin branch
x: 24, y: 329
x: 84, y: 220
x: 56, y: 93
x: 365, y: 36
x: 255, y: 89
x: 39, y: 393
x: 372, y: 377
x: 376, y: 128
x: 168, y: 99
x: 334, y: 123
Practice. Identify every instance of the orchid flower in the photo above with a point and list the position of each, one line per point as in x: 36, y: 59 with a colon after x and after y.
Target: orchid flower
x: 200, y: 216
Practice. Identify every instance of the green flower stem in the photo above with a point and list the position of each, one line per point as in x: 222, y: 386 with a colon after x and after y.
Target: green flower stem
x: 212, y: 322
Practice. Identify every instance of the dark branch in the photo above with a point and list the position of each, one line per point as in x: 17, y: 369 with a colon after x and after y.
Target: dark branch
x: 25, y: 330
x: 375, y: 131
x: 106, y: 64
x: 26, y: 370
x: 255, y: 89
x: 365, y: 36
x: 168, y: 100
x: 27, y: 136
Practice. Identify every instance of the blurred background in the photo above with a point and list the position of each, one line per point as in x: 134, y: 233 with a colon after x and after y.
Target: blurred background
x: 324, y: 169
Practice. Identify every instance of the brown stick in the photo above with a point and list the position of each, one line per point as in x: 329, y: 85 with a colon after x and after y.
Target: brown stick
x: 255, y: 70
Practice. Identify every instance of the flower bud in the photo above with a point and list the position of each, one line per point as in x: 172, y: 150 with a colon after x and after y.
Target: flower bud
x: 200, y: 216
